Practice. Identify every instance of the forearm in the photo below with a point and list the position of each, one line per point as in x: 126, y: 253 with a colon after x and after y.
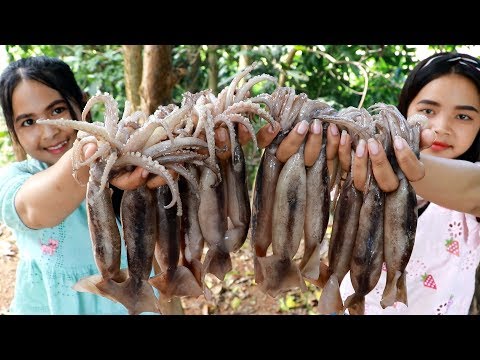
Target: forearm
x: 49, y: 196
x: 453, y: 184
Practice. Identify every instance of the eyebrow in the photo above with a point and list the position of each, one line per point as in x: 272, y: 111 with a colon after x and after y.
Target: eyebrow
x: 458, y: 107
x: 50, y: 106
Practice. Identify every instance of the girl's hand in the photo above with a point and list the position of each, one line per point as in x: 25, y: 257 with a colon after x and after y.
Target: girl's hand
x: 265, y: 136
x: 130, y: 180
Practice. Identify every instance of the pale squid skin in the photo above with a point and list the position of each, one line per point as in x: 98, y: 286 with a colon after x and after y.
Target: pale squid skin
x: 238, y: 201
x: 263, y: 203
x: 138, y: 223
x: 400, y: 214
x: 192, y: 241
x: 279, y: 271
x: 317, y: 213
x: 367, y: 256
x: 212, y: 215
x: 105, y: 236
x: 344, y: 232
x: 174, y: 280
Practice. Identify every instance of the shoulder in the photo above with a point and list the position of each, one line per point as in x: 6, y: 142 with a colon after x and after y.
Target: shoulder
x: 27, y: 167
x: 12, y: 177
x: 17, y: 173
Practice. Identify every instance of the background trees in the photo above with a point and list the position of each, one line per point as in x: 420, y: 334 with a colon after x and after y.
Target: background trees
x: 153, y: 75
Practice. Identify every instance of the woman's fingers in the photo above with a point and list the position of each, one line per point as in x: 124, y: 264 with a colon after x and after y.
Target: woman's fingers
x: 427, y: 137
x: 313, y: 144
x: 344, y: 151
x: 333, y: 140
x: 407, y: 160
x: 360, y: 161
x: 382, y: 170
x: 292, y: 141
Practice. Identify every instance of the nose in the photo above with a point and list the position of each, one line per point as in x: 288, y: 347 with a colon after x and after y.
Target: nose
x: 441, y: 124
x: 49, y: 131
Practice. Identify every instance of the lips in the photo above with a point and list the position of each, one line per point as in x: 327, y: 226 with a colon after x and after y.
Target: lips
x: 439, y: 146
x: 57, y: 148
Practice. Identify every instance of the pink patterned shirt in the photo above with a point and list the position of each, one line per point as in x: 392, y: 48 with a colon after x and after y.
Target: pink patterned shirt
x: 441, y: 270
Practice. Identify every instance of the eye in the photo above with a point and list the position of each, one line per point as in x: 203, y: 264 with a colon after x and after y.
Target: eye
x: 59, y: 110
x: 426, y: 111
x: 463, y: 117
x: 28, y: 122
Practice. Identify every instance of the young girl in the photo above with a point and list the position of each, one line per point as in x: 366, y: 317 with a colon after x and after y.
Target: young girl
x: 39, y: 198
x: 441, y: 272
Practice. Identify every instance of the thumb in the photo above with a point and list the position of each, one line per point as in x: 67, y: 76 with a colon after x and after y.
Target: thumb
x: 427, y: 137
x: 88, y: 150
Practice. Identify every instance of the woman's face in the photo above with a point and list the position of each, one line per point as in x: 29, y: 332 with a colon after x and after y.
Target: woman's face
x: 452, y: 105
x: 32, y: 100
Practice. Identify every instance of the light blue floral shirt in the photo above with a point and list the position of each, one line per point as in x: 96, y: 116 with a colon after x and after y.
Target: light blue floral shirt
x: 52, y: 260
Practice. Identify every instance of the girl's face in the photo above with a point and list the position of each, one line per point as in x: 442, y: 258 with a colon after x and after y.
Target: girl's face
x: 452, y: 105
x: 32, y: 100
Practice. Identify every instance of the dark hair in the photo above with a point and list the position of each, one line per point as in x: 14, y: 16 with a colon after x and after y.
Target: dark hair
x: 434, y: 67
x: 51, y: 72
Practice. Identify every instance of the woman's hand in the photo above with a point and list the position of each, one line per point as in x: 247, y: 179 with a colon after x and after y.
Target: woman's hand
x: 387, y: 180
x: 339, y: 147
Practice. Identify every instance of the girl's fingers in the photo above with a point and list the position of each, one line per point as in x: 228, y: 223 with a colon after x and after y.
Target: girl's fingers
x: 292, y: 141
x: 88, y: 150
x: 222, y: 141
x: 266, y: 134
x: 407, y: 160
x: 314, y: 143
x: 131, y: 180
x: 243, y: 134
x: 158, y: 181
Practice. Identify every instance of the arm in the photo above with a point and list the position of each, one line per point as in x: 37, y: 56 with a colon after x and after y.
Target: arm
x: 49, y: 196
x: 454, y: 184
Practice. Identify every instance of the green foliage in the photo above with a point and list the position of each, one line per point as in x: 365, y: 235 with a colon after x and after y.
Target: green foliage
x: 329, y: 72
x: 6, y: 150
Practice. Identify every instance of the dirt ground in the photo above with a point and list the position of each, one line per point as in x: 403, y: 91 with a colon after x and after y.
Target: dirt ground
x: 237, y: 294
x: 8, y: 264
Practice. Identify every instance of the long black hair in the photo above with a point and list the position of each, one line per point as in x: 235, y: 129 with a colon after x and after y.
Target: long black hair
x: 434, y: 67
x: 55, y: 74
x: 51, y: 72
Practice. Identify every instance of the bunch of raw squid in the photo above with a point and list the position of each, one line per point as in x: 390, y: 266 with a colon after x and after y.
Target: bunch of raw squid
x: 208, y: 203
x: 371, y: 229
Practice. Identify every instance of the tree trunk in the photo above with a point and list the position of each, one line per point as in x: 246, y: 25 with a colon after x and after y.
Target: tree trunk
x: 213, y: 68
x: 132, y: 55
x: 158, y: 78
x: 191, y: 74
